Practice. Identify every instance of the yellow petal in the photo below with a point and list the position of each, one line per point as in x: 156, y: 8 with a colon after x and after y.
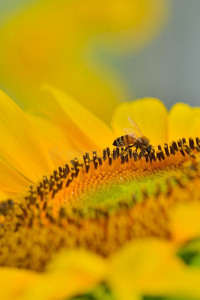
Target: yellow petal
x: 151, y: 267
x: 184, y: 121
x: 11, y: 181
x: 69, y: 274
x: 21, y: 145
x: 150, y: 115
x: 185, y: 223
x: 86, y: 131
x: 14, y: 282
x: 3, y: 195
x: 60, y: 150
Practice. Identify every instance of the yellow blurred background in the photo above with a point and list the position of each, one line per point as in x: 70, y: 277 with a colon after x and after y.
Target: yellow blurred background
x: 100, y: 53
x: 67, y: 43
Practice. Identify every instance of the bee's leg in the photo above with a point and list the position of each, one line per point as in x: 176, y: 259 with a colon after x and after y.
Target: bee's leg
x: 142, y: 153
x: 128, y: 147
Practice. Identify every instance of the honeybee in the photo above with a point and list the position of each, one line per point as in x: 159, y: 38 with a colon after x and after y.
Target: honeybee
x: 133, y: 138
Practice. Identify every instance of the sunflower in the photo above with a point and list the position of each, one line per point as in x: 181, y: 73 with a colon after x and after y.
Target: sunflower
x: 100, y: 222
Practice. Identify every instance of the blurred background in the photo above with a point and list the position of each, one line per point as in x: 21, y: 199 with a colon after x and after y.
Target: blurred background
x: 101, y: 53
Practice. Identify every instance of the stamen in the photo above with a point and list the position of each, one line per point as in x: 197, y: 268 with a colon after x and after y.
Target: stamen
x: 130, y: 159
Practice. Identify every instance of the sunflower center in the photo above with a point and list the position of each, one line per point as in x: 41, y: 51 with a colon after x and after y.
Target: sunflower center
x: 99, y: 204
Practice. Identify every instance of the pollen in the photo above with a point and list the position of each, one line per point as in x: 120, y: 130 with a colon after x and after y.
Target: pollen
x: 99, y: 203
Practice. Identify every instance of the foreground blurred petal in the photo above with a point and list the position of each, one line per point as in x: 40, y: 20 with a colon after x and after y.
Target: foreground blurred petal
x: 150, y: 267
x: 69, y: 273
x: 15, y: 282
x: 185, y: 223
x: 183, y: 121
x: 150, y: 114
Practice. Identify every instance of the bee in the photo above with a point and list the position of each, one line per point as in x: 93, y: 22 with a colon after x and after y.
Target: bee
x: 133, y: 138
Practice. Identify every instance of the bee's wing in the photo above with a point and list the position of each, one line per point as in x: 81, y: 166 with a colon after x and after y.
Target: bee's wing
x: 135, y: 127
x: 132, y: 134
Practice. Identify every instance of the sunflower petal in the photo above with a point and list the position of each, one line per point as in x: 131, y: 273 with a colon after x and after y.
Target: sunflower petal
x: 2, y: 195
x: 150, y: 115
x: 59, y: 148
x: 87, y: 132
x: 11, y: 181
x: 151, y: 267
x: 14, y: 282
x: 184, y: 121
x: 185, y: 223
x: 21, y: 144
x: 70, y: 273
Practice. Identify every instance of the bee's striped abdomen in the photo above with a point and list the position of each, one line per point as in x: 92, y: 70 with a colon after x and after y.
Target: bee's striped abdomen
x: 123, y: 140
x: 119, y: 142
